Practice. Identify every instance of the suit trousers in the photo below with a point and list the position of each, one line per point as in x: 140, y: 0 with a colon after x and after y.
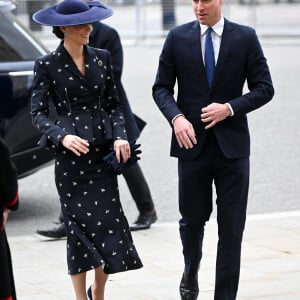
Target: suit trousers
x: 231, y: 180
x: 138, y: 188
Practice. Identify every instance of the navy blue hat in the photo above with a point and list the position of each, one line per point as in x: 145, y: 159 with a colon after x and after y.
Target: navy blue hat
x: 72, y: 12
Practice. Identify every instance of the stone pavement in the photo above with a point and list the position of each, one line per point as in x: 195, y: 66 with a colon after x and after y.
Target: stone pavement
x: 270, y: 263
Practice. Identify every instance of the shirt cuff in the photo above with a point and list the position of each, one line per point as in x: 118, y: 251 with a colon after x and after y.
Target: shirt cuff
x: 176, y: 118
x: 230, y: 108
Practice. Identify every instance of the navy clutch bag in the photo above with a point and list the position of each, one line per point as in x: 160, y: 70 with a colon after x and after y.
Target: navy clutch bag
x: 110, y: 159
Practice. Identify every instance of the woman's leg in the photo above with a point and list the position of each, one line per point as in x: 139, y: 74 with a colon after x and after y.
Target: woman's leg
x: 79, y: 284
x: 98, y: 286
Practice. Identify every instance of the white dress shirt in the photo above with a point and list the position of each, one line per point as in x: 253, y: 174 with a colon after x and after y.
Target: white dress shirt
x: 216, y: 36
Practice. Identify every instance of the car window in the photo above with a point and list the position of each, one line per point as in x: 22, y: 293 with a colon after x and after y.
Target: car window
x: 16, y: 43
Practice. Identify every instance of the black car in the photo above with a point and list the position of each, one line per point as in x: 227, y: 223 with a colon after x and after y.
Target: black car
x: 18, y: 50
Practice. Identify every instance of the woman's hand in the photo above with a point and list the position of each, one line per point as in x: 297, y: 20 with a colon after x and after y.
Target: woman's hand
x: 122, y: 149
x: 76, y: 144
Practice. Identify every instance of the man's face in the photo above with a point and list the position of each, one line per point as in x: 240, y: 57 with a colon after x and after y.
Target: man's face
x: 208, y: 12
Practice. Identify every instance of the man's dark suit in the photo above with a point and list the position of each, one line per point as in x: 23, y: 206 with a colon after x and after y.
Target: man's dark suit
x: 106, y: 37
x: 8, y: 199
x: 221, y: 154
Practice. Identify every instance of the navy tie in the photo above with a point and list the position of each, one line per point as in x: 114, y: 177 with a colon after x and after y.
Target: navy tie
x: 209, y: 57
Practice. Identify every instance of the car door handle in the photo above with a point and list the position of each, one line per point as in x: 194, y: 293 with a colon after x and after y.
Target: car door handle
x: 20, y: 73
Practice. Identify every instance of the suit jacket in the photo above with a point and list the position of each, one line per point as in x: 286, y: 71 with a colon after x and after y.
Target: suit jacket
x: 106, y: 37
x: 240, y: 59
x: 87, y: 106
x: 8, y: 182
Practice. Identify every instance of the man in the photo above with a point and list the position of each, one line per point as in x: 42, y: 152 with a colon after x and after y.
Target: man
x: 106, y: 37
x: 211, y: 59
x: 9, y: 201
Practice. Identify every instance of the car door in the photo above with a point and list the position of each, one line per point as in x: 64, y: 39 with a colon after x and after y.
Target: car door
x: 18, y: 50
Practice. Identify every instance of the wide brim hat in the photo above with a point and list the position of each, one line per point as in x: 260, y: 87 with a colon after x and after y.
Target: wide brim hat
x: 72, y: 12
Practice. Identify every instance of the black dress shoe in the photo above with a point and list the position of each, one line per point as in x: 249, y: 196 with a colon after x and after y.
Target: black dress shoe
x: 54, y: 233
x: 188, y: 287
x: 144, y: 221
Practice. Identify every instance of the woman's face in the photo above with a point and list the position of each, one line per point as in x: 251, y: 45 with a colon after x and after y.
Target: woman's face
x: 78, y: 34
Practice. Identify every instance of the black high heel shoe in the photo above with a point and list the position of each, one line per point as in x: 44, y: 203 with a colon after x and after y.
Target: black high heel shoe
x: 89, y: 293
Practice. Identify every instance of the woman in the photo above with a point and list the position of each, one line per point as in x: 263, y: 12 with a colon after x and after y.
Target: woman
x: 8, y: 201
x: 79, y: 81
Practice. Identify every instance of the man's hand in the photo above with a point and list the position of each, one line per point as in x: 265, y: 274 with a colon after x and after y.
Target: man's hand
x: 214, y: 113
x: 184, y: 133
x: 76, y: 144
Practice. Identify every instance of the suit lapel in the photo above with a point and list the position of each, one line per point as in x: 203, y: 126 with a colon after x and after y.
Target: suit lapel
x: 94, y: 65
x: 223, y: 52
x: 89, y: 64
x: 196, y: 51
x: 67, y: 62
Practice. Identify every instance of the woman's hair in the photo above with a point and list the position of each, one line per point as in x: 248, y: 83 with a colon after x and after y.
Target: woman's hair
x: 56, y: 30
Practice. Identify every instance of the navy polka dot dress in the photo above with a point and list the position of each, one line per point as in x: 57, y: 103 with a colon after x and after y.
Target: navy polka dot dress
x: 97, y: 229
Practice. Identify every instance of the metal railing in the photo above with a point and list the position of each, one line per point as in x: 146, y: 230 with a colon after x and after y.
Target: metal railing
x: 142, y: 19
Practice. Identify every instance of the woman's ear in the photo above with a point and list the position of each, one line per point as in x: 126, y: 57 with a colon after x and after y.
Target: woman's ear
x: 63, y: 29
